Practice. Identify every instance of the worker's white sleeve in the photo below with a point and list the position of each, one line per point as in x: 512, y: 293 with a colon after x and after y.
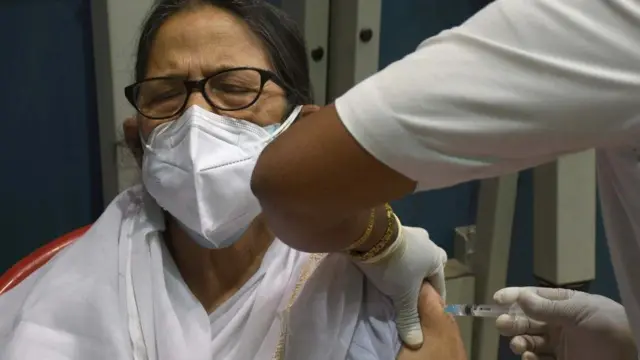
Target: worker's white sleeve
x: 520, y: 83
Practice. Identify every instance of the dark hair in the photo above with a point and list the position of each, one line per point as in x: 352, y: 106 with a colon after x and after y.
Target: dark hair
x: 279, y: 33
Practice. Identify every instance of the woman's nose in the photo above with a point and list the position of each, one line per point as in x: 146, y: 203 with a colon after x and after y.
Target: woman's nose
x: 197, y: 98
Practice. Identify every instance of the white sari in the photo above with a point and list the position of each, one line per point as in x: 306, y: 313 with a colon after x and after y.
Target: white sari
x: 117, y: 294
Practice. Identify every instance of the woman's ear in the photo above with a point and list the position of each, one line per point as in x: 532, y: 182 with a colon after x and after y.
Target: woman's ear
x: 308, y: 110
x: 132, y: 138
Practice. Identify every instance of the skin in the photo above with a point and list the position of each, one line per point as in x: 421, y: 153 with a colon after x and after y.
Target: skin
x: 441, y: 333
x: 317, y: 199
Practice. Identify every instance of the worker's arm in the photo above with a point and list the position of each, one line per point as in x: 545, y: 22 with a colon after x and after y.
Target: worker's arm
x: 519, y: 84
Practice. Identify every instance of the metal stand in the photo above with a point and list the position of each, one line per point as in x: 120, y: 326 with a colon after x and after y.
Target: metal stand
x: 116, y: 27
x: 494, y: 221
x: 313, y: 18
x: 355, y: 43
x: 564, y: 220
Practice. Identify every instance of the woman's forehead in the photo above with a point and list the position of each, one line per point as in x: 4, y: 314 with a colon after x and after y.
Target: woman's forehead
x: 201, y: 41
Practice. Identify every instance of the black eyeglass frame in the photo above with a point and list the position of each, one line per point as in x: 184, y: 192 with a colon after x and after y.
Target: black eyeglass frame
x: 199, y: 85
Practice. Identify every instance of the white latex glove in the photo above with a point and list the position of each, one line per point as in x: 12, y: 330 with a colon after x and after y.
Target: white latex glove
x: 564, y: 324
x: 399, y: 273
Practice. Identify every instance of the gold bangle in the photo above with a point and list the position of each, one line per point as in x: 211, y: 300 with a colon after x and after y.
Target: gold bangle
x: 381, y: 245
x: 367, y: 232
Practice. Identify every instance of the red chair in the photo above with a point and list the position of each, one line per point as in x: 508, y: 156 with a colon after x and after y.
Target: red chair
x: 36, y: 259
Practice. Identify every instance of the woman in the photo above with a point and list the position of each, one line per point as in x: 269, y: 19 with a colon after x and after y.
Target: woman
x: 185, y: 268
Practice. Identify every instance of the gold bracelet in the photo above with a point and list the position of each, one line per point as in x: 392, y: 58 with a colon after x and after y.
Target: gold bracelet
x: 367, y: 232
x: 381, y: 245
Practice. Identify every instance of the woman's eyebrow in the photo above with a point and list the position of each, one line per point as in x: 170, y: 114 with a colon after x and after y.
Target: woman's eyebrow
x: 175, y: 73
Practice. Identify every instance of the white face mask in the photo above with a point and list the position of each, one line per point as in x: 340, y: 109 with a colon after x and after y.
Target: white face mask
x: 199, y: 168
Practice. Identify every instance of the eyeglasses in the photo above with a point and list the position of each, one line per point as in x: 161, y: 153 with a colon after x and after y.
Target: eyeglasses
x: 227, y: 90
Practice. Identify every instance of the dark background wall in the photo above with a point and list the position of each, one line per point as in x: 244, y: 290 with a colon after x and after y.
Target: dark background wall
x: 50, y: 179
x: 50, y: 182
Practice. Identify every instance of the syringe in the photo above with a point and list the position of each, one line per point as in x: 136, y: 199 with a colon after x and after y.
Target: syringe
x: 484, y: 310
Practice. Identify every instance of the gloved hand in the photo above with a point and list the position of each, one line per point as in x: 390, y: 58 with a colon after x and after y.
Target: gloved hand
x: 564, y: 324
x: 399, y: 273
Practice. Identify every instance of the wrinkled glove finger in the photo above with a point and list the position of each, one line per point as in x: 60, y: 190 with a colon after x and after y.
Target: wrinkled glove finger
x: 534, y: 305
x: 552, y: 293
x: 408, y: 319
x: 438, y: 282
x: 436, y: 277
x: 510, y: 295
x: 507, y: 296
x: 530, y: 343
x: 509, y: 325
x: 543, y: 309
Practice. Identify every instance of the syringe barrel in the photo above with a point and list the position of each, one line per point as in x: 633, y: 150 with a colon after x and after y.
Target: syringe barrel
x: 495, y: 310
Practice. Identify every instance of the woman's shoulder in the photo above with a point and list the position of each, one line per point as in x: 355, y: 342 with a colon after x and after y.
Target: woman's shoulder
x: 128, y: 198
x: 91, y: 259
x: 132, y: 203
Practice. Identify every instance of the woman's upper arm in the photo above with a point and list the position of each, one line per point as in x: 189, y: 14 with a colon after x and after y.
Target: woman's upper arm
x: 520, y: 83
x: 375, y: 336
x: 441, y: 334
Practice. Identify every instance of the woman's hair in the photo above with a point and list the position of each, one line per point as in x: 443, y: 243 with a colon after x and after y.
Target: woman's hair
x: 279, y: 33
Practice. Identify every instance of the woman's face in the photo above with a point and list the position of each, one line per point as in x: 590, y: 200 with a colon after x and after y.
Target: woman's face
x: 197, y: 43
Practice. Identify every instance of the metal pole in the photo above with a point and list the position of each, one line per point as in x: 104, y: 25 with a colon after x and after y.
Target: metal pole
x: 116, y: 25
x: 564, y: 222
x: 313, y: 18
x: 355, y: 43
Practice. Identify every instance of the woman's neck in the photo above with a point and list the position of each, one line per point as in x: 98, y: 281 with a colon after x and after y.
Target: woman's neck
x: 214, y: 275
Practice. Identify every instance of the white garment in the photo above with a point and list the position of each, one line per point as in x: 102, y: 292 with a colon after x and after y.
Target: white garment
x: 116, y: 294
x: 520, y: 83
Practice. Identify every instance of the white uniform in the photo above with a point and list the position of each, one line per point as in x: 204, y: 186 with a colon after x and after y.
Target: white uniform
x: 519, y: 84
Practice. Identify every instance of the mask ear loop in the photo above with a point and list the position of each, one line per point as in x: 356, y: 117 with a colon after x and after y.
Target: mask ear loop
x: 155, y: 132
x: 144, y: 143
x: 285, y: 125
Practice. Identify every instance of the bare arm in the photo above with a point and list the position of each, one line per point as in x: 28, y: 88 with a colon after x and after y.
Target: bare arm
x: 519, y: 84
x: 337, y: 176
x: 441, y: 333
